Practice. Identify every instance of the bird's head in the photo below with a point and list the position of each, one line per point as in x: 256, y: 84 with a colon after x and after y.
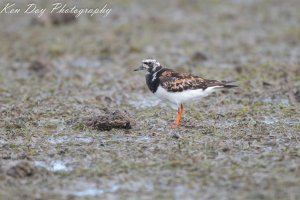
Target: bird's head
x: 150, y: 65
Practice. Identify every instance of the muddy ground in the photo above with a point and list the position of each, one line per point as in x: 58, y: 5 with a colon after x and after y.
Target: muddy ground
x: 58, y: 83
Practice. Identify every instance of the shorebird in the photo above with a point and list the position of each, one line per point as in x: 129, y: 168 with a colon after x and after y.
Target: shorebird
x: 178, y: 87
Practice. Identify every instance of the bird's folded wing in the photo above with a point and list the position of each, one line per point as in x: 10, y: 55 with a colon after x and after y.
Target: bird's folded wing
x: 174, y: 81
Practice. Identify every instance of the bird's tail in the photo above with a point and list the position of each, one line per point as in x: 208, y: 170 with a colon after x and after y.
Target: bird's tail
x: 220, y: 84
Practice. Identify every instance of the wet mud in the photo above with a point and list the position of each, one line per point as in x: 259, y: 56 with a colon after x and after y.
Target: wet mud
x: 78, y: 123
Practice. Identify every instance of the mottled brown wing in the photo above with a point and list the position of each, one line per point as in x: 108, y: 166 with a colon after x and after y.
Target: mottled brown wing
x: 174, y: 81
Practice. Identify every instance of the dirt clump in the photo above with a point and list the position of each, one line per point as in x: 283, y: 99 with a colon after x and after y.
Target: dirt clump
x: 54, y: 19
x: 21, y: 170
x: 199, y: 56
x: 109, y: 120
x: 297, y: 96
x: 39, y: 68
x: 62, y: 18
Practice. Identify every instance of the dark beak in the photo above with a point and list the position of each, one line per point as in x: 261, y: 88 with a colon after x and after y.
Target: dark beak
x: 139, y: 68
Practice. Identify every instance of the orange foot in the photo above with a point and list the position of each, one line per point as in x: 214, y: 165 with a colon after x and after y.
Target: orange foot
x: 178, y: 119
x: 174, y: 125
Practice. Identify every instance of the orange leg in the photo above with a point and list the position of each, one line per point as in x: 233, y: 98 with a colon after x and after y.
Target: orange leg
x: 179, y: 115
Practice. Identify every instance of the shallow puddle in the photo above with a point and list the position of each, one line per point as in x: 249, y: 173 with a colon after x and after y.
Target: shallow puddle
x: 65, y: 139
x: 139, y: 139
x: 270, y: 120
x: 85, y: 63
x: 148, y: 102
x: 95, y: 191
x: 54, y: 166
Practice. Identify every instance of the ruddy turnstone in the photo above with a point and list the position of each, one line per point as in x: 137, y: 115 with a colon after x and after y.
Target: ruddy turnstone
x: 178, y: 87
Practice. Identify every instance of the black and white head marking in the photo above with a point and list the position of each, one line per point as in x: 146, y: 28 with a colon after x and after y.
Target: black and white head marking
x: 150, y: 65
x: 154, y: 70
x: 153, y: 67
x: 155, y: 74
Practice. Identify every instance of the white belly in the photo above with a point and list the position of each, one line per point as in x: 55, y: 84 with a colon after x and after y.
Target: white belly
x: 180, y: 97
